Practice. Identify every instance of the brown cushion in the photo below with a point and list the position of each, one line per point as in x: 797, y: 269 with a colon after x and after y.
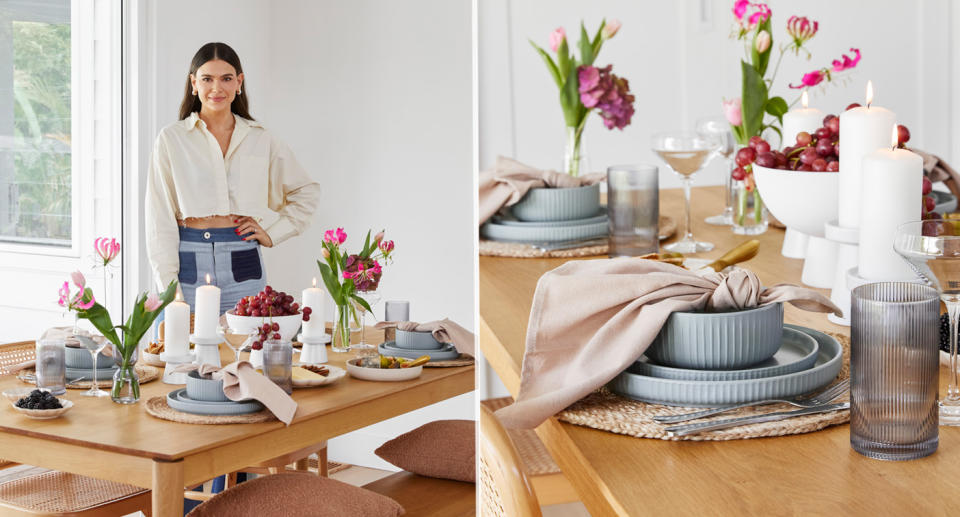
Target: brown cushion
x: 294, y: 494
x: 443, y: 449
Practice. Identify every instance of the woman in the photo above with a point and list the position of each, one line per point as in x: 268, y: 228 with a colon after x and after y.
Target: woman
x: 212, y: 177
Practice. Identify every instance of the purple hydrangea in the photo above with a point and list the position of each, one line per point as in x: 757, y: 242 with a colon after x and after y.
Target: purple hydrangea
x: 601, y: 89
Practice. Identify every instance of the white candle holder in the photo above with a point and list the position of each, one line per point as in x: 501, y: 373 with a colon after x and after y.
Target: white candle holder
x: 314, y: 349
x: 207, y: 350
x: 795, y: 244
x: 819, y: 265
x: 172, y: 362
x: 846, y: 241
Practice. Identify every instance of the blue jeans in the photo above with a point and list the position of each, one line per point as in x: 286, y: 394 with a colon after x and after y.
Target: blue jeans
x: 233, y: 265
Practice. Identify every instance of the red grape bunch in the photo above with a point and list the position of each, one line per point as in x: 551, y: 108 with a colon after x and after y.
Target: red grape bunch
x: 264, y: 333
x: 267, y: 303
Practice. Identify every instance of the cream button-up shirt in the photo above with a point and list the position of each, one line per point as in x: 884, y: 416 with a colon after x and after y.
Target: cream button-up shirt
x: 190, y: 176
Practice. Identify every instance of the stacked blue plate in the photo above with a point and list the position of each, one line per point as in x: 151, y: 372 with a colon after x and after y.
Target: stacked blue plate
x: 446, y: 353
x: 509, y: 229
x: 178, y: 399
x: 87, y: 373
x: 799, y: 366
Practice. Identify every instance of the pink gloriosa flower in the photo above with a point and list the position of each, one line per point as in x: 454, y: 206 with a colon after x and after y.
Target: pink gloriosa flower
x: 336, y: 237
x: 106, y: 249
x: 810, y: 79
x: 557, y: 37
x: 386, y: 247
x: 801, y: 29
x: 750, y: 15
x: 76, y: 302
x: 847, y: 62
x: 839, y: 65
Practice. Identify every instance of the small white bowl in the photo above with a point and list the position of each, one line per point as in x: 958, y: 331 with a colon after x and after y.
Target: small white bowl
x: 44, y: 414
x: 289, y: 325
x: 382, y: 374
x: 15, y: 394
x: 336, y: 373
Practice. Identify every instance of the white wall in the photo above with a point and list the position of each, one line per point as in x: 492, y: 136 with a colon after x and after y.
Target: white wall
x: 374, y: 98
x: 680, y: 62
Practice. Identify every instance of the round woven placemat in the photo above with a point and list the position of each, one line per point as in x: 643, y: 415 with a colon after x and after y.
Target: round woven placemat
x: 158, y: 407
x: 607, y: 411
x: 463, y: 360
x: 520, y: 250
x: 145, y: 372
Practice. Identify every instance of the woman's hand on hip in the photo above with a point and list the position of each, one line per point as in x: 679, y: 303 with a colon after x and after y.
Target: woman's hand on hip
x: 251, y: 230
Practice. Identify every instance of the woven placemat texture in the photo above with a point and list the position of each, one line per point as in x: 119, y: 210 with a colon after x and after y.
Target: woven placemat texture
x: 607, y: 411
x: 145, y: 372
x: 158, y: 407
x: 463, y: 360
x: 520, y: 250
x: 537, y: 461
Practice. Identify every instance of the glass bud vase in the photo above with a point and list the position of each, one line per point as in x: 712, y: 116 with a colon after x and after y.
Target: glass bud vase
x: 126, y: 383
x: 574, y: 160
x: 749, y: 212
x: 341, y: 329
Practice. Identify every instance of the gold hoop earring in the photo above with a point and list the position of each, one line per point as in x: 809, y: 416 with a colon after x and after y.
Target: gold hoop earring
x: 194, y: 92
x: 238, y: 91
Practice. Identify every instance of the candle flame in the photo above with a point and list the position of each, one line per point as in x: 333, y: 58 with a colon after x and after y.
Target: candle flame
x: 804, y: 99
x: 895, y: 137
x: 179, y: 296
x: 869, y: 93
x: 314, y: 281
x: 208, y: 278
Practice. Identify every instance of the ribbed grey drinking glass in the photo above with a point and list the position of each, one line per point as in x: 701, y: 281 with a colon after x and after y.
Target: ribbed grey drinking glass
x: 51, y: 365
x: 894, y: 367
x: 633, y: 206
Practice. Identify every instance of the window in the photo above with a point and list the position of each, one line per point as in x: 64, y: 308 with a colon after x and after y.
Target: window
x: 36, y: 194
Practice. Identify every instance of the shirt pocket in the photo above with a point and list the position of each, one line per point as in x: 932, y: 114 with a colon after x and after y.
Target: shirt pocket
x: 246, y: 265
x: 188, y: 267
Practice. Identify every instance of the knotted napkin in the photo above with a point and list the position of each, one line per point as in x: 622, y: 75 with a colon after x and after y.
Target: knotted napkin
x: 444, y: 331
x: 938, y: 170
x: 509, y: 181
x: 242, y: 382
x: 591, y: 320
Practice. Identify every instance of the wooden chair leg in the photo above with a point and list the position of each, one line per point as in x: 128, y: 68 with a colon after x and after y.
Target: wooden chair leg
x: 230, y: 481
x: 322, y: 468
x: 273, y: 470
x: 302, y: 465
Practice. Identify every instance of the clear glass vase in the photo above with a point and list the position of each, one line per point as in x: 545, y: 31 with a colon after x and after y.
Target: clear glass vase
x: 126, y: 383
x: 749, y: 212
x: 341, y: 329
x: 574, y: 160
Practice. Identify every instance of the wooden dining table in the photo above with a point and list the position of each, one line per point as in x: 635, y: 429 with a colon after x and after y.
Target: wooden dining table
x: 123, y: 443
x: 808, y: 474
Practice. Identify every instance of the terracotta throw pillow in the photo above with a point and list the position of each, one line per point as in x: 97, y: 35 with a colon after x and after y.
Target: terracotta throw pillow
x: 444, y: 449
x: 293, y: 494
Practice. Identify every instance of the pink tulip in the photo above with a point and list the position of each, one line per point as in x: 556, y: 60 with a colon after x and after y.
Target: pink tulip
x: 325, y: 253
x: 610, y: 29
x: 762, y: 41
x: 106, y: 249
x: 847, y: 63
x: 152, y: 303
x: 378, y: 237
x: 557, y: 37
x: 732, y: 111
x: 811, y: 79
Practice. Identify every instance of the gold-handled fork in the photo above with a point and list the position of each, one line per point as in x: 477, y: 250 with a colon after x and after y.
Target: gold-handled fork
x: 741, y: 253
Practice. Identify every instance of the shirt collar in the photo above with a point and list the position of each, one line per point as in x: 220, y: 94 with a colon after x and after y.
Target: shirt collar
x: 194, y: 120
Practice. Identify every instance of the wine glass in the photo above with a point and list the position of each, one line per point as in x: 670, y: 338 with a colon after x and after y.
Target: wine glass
x: 95, y: 347
x: 685, y: 153
x: 933, y: 252
x: 718, y: 129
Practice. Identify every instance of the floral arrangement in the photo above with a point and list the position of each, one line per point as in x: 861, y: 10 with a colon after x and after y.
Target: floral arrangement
x: 584, y: 87
x: 82, y: 300
x: 753, y: 26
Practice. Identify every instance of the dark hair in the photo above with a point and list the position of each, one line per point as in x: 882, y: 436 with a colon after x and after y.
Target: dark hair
x: 209, y: 52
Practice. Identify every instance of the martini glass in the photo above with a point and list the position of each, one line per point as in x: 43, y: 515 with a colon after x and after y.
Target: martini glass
x: 933, y: 252
x: 718, y: 128
x: 95, y: 347
x: 236, y: 340
x: 685, y: 153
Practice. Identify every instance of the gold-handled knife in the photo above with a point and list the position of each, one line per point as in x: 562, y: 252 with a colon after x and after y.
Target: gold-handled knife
x: 741, y: 253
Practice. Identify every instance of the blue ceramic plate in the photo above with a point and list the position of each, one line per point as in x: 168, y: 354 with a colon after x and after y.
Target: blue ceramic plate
x: 87, y: 374
x: 447, y: 353
x: 177, y: 399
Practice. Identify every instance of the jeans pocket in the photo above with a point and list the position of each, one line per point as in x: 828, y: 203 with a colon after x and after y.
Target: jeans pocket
x: 246, y: 265
x: 188, y: 267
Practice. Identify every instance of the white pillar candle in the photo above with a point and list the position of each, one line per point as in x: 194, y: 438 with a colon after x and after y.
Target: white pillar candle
x: 862, y: 131
x: 800, y: 119
x: 313, y: 297
x: 176, y: 327
x: 206, y: 311
x: 892, y: 195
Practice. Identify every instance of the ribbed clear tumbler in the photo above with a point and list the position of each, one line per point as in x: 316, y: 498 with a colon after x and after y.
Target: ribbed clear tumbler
x: 894, y: 368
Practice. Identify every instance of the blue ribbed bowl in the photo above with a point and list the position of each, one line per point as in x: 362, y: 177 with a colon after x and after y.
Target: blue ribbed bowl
x: 80, y: 358
x: 412, y: 340
x: 205, y: 389
x: 558, y: 204
x: 719, y: 340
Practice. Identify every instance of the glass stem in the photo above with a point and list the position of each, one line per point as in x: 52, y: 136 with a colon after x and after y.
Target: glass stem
x: 94, y: 386
x: 953, y: 309
x: 686, y: 196
x: 728, y: 209
x: 363, y: 325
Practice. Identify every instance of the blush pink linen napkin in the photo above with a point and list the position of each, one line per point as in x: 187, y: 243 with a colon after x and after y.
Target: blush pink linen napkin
x: 242, y: 382
x: 444, y: 331
x: 509, y: 181
x: 591, y: 320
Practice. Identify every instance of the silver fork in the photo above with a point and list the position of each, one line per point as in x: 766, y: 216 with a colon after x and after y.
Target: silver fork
x: 824, y: 397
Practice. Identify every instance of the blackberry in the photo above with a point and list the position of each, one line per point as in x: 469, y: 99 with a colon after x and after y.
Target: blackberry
x: 945, y: 333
